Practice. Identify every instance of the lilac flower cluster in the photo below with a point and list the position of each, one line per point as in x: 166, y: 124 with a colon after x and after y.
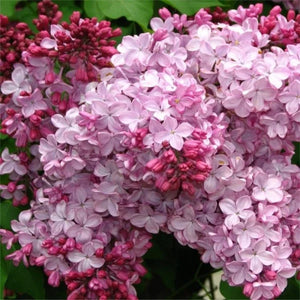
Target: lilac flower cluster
x: 190, y: 132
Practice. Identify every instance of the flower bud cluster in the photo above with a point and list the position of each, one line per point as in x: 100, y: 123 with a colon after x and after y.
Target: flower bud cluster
x: 190, y: 132
x: 14, y: 39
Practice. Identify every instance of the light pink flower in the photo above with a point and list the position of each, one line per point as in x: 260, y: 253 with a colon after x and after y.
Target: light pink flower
x: 18, y: 84
x: 82, y: 231
x: 62, y: 218
x: 173, y: 133
x: 188, y: 224
x: 247, y: 231
x: 268, y: 187
x: 291, y: 97
x: 149, y: 219
x: 86, y: 258
x: 236, y: 210
x: 11, y: 163
x: 257, y: 256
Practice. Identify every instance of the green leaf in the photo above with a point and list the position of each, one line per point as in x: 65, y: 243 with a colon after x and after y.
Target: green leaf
x: 3, y: 136
x: 231, y: 292
x: 292, y: 289
x: 8, y: 7
x: 92, y: 9
x: 67, y: 8
x: 296, y: 157
x: 4, y: 268
x: 26, y: 15
x: 133, y: 10
x: 27, y: 281
x: 190, y: 7
x: 9, y: 143
x: 8, y: 212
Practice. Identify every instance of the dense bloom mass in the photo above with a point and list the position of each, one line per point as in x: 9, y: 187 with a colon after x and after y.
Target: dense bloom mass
x: 189, y: 132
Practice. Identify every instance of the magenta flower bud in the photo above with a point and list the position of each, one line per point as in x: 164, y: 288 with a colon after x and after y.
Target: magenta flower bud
x: 248, y: 289
x: 183, y: 167
x: 170, y: 156
x: 160, y: 34
x: 39, y: 261
x: 23, y: 157
x: 50, y: 77
x: 11, y: 57
x: 297, y: 253
x: 259, y: 8
x: 170, y: 172
x: 35, y: 120
x: 155, y: 165
x: 199, y: 177
x: 27, y: 249
x: 188, y: 187
x: 34, y: 133
x: 291, y: 15
x: 54, y: 279
x: 53, y: 250
x: 22, y: 26
x: 24, y: 201
x: 72, y: 286
x: 75, y: 17
x: 11, y: 187
x: 81, y: 75
x: 70, y: 244
x: 276, y: 292
x: 99, y: 252
x: 201, y: 165
x: 122, y: 275
x: 140, y: 269
x: 165, y: 186
x: 276, y: 10
x: 101, y: 274
x: 270, y: 275
x: 164, y: 13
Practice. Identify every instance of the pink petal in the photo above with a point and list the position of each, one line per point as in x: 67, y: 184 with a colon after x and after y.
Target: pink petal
x: 211, y: 184
x: 93, y: 221
x: 190, y: 234
x: 227, y: 206
x: 151, y: 226
x: 139, y: 220
x: 179, y: 223
x: 6, y: 168
x: 274, y: 195
x: 18, y: 75
x: 112, y: 207
x: 266, y: 258
x: 244, y: 240
x: 231, y: 220
x: 97, y: 262
x: 59, y: 121
x: 176, y: 142
x: 128, y: 117
x: 184, y: 129
x: 255, y: 265
x: 56, y: 228
x: 48, y: 43
x: 8, y: 87
x: 170, y: 123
